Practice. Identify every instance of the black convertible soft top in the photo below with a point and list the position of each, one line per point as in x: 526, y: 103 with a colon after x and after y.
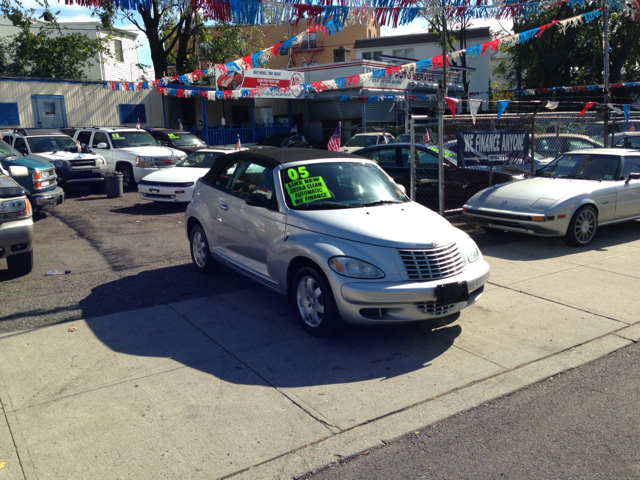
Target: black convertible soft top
x: 271, y: 157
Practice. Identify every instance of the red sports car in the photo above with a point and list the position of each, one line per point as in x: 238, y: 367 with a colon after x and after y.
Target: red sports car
x: 231, y: 80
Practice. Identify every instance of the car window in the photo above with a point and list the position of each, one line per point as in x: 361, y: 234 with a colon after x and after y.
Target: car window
x: 631, y: 165
x: 139, y: 138
x: 575, y: 144
x: 7, y: 151
x: 383, y: 157
x: 582, y: 166
x: 182, y: 139
x: 242, y: 177
x: 99, y: 137
x: 362, y: 141
x: 633, y: 142
x: 20, y: 143
x: 8, y: 139
x: 273, y: 140
x: 51, y: 144
x: 84, y: 137
x: 200, y: 159
x: 621, y: 143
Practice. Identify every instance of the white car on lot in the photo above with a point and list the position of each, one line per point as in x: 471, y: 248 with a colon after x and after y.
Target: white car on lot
x: 362, y: 140
x: 177, y: 184
x: 334, y: 234
x: 132, y: 152
x: 570, y: 197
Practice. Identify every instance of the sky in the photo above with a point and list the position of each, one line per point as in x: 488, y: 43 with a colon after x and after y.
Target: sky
x: 77, y: 13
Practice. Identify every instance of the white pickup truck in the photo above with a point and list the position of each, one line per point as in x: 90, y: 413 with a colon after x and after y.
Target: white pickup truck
x: 132, y: 152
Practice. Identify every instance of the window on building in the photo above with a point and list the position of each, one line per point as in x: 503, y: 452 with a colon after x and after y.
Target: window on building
x: 117, y: 46
x: 377, y: 56
x: 408, y: 53
x: 398, y: 52
x: 366, y: 55
x: 309, y: 41
x: 132, y: 113
x: 9, y: 115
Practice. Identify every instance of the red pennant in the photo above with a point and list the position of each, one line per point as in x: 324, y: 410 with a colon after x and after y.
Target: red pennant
x: 227, y: 94
x: 180, y: 93
x: 247, y: 62
x: 160, y: 90
x: 586, y: 107
x: 452, y: 103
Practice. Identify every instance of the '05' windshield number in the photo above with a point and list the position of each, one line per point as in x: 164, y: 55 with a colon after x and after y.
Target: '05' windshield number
x: 301, y: 172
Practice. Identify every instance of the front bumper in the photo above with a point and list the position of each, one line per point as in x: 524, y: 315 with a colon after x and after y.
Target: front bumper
x: 166, y: 193
x: 70, y: 176
x: 546, y: 226
x: 16, y: 237
x: 47, y: 200
x: 393, y: 302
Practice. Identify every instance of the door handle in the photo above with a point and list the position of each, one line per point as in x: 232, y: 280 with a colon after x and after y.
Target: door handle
x: 224, y: 207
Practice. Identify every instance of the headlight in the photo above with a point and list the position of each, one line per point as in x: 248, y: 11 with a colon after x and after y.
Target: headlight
x: 144, y: 161
x: 60, y: 164
x: 100, y: 161
x: 352, y: 267
x: 471, y: 250
x: 12, y: 209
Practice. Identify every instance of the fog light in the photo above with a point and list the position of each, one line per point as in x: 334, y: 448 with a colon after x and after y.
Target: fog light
x: 179, y: 191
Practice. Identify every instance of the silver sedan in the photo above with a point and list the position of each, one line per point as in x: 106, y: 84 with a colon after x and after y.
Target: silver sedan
x: 570, y: 197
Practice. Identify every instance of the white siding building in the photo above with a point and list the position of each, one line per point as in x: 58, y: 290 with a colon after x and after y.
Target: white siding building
x: 121, y: 64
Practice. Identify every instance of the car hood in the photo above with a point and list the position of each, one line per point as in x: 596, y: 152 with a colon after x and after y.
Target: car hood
x: 351, y: 149
x: 177, y: 175
x: 30, y: 163
x: 152, y: 151
x: 523, y: 194
x: 189, y: 150
x: 62, y: 155
x: 407, y: 225
x: 8, y: 182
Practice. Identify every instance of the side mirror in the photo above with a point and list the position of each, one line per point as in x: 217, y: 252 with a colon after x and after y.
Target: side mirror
x: 633, y: 176
x: 103, y: 145
x: 23, y: 151
x: 18, y: 171
x: 259, y: 200
x: 163, y: 143
x: 402, y: 189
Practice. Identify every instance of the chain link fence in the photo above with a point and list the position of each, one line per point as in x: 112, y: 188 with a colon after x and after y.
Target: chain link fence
x: 489, y: 152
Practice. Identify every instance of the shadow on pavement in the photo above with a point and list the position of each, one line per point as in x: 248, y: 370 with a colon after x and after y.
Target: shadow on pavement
x: 240, y: 325
x: 151, y: 208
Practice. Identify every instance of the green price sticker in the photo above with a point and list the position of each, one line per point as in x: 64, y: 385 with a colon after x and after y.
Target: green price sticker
x: 173, y: 135
x: 116, y: 136
x: 307, y: 190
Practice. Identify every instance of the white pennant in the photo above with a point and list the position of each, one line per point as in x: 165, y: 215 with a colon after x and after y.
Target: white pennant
x: 552, y: 105
x: 473, y: 108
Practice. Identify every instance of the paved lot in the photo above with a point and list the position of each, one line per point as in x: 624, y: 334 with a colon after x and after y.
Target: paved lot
x: 170, y: 374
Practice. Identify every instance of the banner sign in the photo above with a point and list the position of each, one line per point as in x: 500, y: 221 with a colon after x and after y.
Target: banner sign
x: 278, y: 81
x: 492, y: 147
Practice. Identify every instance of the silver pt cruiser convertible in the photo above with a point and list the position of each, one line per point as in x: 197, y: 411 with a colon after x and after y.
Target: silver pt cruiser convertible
x: 333, y: 233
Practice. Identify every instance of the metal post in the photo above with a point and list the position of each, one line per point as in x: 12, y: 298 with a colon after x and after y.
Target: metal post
x: 204, y: 121
x: 605, y: 20
x: 442, y: 92
x: 412, y: 193
x: 252, y: 105
x: 364, y: 116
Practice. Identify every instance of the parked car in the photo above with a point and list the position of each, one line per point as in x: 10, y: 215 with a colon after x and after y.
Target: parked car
x: 406, y: 138
x: 336, y: 235
x: 362, y: 140
x: 571, y: 197
x: 551, y: 145
x: 177, y: 184
x: 186, y: 142
x: 132, y: 152
x: 16, y: 222
x: 461, y: 182
x: 627, y: 140
x: 40, y: 183
x: 285, y: 140
x: 53, y: 146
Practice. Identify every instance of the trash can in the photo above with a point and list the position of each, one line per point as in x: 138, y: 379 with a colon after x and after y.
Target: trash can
x: 113, y: 185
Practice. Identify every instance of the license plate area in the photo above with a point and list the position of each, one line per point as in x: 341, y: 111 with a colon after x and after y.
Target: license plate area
x: 450, y: 293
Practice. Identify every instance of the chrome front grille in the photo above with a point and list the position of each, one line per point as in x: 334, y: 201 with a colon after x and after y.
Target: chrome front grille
x: 430, y: 264
x: 433, y: 309
x: 83, y: 163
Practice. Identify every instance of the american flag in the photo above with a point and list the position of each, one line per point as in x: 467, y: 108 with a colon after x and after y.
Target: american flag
x: 138, y: 124
x: 334, y: 142
x: 294, y: 129
x: 180, y: 125
x: 238, y: 146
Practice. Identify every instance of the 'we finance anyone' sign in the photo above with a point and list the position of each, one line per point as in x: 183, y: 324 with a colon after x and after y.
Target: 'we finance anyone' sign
x: 491, y: 146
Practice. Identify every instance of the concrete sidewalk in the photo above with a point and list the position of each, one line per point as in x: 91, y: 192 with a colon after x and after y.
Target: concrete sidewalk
x: 230, y: 385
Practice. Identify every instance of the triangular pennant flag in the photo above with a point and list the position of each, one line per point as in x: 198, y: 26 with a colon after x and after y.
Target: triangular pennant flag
x: 614, y: 109
x: 626, y: 109
x: 452, y: 103
x: 502, y: 106
x: 586, y: 107
x: 552, y: 105
x: 473, y: 108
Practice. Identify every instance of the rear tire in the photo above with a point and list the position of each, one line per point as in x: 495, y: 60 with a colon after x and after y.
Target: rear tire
x: 315, y: 305
x: 582, y: 228
x: 20, y: 264
x: 128, y: 180
x: 201, y: 257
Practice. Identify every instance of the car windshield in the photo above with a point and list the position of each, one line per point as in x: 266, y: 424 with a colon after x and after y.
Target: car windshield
x: 54, y: 143
x: 200, y: 160
x: 273, y: 140
x: 406, y: 138
x: 7, y: 150
x: 325, y: 186
x: 185, y: 139
x: 582, y: 166
x: 132, y: 139
x: 362, y: 141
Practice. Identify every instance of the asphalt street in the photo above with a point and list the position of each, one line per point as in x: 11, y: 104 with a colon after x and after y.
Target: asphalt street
x: 580, y: 424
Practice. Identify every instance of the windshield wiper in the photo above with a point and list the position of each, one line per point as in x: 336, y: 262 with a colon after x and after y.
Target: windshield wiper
x: 323, y: 206
x: 578, y: 177
x: 380, y: 202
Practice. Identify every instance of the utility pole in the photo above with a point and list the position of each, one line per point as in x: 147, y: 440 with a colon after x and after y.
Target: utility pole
x: 606, y: 97
x: 442, y: 92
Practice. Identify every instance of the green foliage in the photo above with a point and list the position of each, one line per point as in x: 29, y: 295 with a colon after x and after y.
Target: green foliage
x: 230, y: 42
x: 576, y: 57
x: 44, y: 49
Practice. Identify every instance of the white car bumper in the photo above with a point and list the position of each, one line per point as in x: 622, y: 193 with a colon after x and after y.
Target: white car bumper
x: 166, y: 192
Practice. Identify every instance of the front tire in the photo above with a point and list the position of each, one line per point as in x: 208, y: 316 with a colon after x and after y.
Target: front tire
x: 582, y: 228
x: 315, y: 305
x: 20, y: 264
x: 201, y: 257
x: 128, y: 180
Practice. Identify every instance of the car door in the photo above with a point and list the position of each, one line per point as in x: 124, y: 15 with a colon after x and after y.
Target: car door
x: 628, y: 193
x: 246, y: 236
